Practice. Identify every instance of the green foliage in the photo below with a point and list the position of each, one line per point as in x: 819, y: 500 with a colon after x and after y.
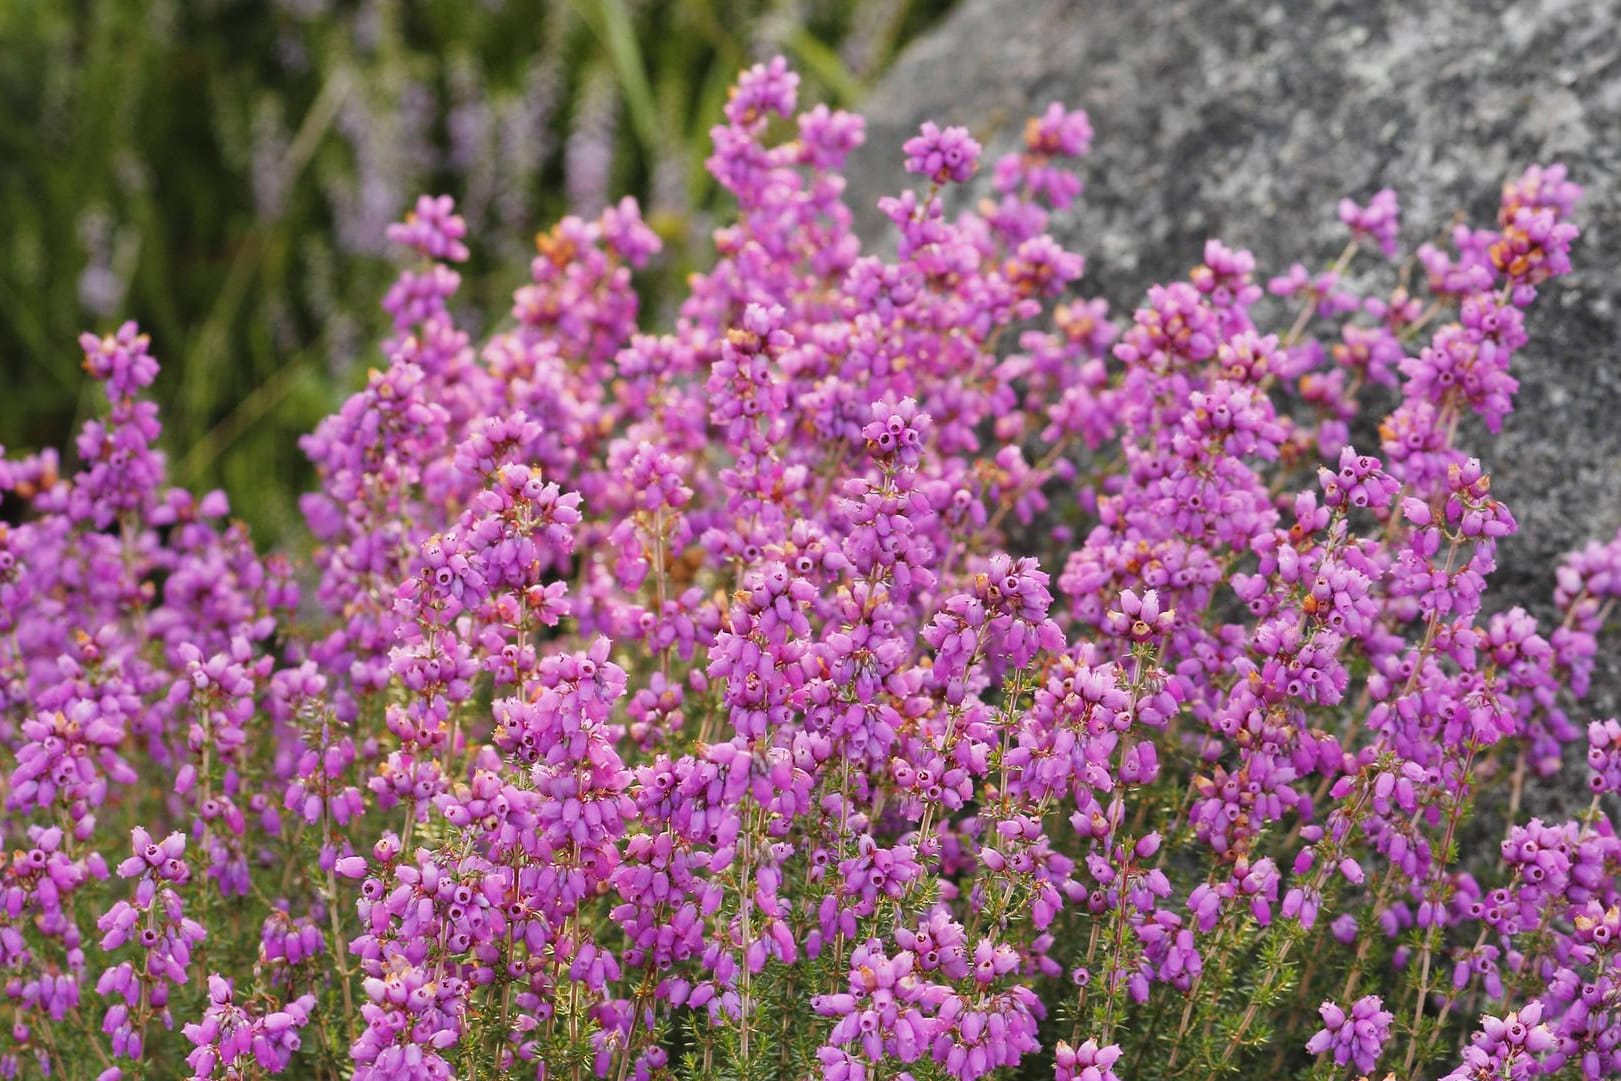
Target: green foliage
x: 222, y: 170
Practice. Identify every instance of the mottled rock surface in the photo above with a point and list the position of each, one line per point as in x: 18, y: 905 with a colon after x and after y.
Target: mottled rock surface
x: 1248, y: 121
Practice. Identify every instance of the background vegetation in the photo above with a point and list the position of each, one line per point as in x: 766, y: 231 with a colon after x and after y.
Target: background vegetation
x: 223, y: 170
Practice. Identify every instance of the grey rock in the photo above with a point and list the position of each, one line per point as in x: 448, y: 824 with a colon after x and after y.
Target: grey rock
x: 1248, y: 121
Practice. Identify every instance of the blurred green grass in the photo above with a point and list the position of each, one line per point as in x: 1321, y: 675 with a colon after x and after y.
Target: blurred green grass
x: 222, y: 170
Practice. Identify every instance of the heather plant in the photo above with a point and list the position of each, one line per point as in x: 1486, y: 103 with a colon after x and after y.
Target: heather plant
x: 897, y: 668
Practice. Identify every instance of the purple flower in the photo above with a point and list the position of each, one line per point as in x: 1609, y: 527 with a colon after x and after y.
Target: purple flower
x: 1378, y: 221
x: 945, y: 156
x: 1355, y: 1038
x: 434, y: 229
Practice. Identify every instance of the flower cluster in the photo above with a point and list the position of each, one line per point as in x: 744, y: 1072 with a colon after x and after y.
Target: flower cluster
x: 1355, y: 1037
x: 898, y: 667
